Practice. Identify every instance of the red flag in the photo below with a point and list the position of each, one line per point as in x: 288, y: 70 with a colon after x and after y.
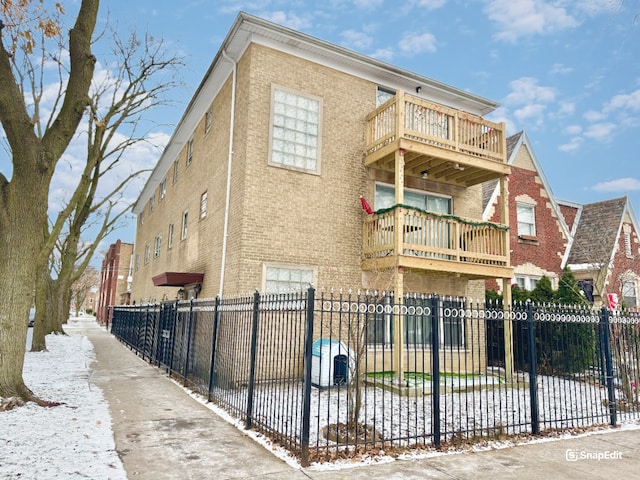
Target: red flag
x: 365, y: 205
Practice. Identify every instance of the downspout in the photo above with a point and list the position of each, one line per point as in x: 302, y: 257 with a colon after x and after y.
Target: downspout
x: 225, y: 233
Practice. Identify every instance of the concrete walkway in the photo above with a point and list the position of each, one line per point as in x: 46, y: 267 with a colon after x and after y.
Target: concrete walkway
x: 163, y: 433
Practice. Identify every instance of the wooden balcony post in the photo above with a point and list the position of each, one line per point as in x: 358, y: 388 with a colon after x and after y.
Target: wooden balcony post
x: 399, y: 271
x: 506, y: 282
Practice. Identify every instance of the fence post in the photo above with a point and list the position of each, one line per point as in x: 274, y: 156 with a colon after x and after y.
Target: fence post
x: 252, y: 365
x: 212, y: 364
x: 188, y: 352
x: 606, y: 340
x: 306, y: 395
x: 533, y: 371
x: 435, y: 369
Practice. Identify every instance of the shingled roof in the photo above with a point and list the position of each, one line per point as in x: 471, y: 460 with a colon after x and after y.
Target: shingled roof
x: 597, y: 232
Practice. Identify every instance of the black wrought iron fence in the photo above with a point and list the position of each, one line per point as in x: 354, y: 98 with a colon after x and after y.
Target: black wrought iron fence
x: 328, y: 376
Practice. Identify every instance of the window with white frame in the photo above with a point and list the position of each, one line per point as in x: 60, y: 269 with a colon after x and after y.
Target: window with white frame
x: 203, y: 205
x: 157, y: 245
x: 295, y: 130
x: 170, y: 237
x: 287, y: 279
x: 189, y: 151
x: 526, y: 219
x: 152, y: 204
x: 163, y: 188
x: 526, y: 282
x: 630, y: 293
x: 147, y: 253
x: 176, y: 170
x: 185, y: 221
x: 429, y: 202
x: 141, y: 217
x: 137, y: 261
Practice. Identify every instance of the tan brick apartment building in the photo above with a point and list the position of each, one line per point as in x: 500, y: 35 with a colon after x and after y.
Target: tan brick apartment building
x: 260, y: 183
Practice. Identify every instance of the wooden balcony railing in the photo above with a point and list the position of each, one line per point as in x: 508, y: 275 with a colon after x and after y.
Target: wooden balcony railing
x: 408, y: 117
x: 435, y: 236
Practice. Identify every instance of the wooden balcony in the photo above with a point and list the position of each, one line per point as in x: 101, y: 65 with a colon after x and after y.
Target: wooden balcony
x: 442, y: 244
x: 438, y: 143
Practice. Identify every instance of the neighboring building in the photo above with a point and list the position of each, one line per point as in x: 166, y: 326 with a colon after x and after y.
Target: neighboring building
x: 115, y: 279
x: 539, y: 234
x: 605, y: 254
x: 599, y: 241
x: 259, y: 185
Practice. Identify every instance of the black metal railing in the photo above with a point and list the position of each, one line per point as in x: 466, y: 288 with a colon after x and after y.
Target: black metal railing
x: 326, y: 376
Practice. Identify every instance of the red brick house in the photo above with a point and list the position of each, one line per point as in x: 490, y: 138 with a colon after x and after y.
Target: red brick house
x: 605, y: 251
x: 539, y: 235
x: 599, y: 241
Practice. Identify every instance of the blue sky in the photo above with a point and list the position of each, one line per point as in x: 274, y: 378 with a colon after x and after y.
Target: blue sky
x: 565, y: 71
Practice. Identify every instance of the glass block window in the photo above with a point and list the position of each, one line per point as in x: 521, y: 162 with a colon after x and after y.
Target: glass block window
x: 295, y: 132
x: 288, y: 279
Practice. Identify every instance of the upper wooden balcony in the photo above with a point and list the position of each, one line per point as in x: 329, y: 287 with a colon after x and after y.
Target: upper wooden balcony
x: 444, y: 245
x: 438, y: 143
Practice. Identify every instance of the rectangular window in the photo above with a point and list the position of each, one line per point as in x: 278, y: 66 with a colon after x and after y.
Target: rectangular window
x: 418, y: 323
x: 203, y: 205
x: 208, y: 121
x: 147, y: 253
x: 163, y: 188
x: 428, y: 202
x: 288, y: 279
x: 189, y: 151
x: 152, y: 204
x: 137, y: 261
x: 185, y: 220
x: 170, y: 237
x: 526, y: 283
x: 157, y: 246
x: 630, y: 294
x: 526, y: 219
x: 295, y: 131
x: 141, y: 217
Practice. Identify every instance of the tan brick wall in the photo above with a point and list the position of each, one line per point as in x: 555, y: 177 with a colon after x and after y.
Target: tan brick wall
x: 278, y: 215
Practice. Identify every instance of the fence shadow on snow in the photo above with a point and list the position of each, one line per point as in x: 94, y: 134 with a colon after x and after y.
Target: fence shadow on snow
x: 326, y: 376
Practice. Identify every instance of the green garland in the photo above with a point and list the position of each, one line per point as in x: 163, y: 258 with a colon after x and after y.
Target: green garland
x: 443, y: 215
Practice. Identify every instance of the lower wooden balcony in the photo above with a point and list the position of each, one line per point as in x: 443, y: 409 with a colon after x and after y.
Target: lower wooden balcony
x: 443, y: 245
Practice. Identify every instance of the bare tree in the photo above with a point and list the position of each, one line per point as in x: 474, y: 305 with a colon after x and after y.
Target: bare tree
x: 35, y: 149
x: 146, y: 72
x: 89, y: 280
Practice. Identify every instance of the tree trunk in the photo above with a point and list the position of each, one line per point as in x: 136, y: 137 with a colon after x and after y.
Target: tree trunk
x: 40, y: 324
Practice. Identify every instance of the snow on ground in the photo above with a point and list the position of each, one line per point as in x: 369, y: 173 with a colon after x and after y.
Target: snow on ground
x: 70, y: 441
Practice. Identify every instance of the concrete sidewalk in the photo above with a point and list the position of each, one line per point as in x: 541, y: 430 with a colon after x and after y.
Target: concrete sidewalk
x: 162, y: 433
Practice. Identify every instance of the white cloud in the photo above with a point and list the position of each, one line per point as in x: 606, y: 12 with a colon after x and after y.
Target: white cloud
x: 526, y: 90
x: 629, y: 101
x: 626, y: 184
x: 566, y: 109
x: 600, y: 131
x: 560, y: 69
x: 291, y: 20
x: 431, y: 4
x: 593, y: 116
x: 383, y: 54
x: 418, y: 43
x: 532, y: 113
x: 521, y: 18
x: 368, y: 3
x: 357, y: 40
x: 573, y: 145
x: 573, y: 130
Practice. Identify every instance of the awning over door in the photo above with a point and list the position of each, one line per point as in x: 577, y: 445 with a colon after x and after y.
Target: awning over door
x: 177, y: 279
